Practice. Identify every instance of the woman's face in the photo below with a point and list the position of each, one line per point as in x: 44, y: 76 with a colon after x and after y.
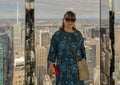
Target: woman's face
x: 69, y: 22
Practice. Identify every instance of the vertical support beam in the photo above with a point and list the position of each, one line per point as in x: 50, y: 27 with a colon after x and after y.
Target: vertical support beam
x: 112, y: 38
x: 29, y: 43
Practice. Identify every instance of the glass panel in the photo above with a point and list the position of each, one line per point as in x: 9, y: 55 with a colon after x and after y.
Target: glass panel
x: 49, y: 15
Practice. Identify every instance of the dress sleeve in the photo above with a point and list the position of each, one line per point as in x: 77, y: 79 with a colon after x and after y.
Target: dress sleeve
x: 83, y: 48
x: 53, y: 49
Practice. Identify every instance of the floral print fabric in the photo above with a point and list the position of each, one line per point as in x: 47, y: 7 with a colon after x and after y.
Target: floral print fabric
x: 60, y: 53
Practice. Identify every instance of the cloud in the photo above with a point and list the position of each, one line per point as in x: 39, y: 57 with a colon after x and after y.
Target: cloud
x: 55, y: 8
x: 13, y: 2
x: 69, y: 8
x: 118, y: 13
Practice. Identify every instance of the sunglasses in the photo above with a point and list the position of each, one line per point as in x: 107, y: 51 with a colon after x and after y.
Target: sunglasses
x: 68, y: 20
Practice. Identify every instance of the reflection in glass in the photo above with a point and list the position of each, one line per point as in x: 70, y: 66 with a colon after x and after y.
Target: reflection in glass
x: 106, y: 43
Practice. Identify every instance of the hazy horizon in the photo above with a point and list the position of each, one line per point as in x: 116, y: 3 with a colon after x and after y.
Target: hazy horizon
x: 53, y: 9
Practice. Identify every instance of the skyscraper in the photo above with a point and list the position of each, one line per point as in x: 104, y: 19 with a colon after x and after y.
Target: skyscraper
x: 1, y: 66
x: 105, y: 56
x: 19, y: 71
x: 44, y: 38
x: 4, y: 41
x: 41, y: 64
x: 17, y: 35
x: 17, y: 39
x: 96, y: 42
x: 18, y: 78
x: 117, y: 41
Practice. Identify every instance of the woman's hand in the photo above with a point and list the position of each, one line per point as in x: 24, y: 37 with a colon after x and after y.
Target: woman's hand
x: 52, y: 69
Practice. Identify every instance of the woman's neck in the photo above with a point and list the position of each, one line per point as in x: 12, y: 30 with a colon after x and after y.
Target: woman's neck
x: 69, y: 29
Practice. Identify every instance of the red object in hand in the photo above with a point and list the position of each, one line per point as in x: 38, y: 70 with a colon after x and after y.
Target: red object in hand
x: 56, y: 70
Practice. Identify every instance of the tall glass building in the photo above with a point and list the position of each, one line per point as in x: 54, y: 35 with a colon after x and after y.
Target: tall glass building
x: 1, y: 66
x: 4, y: 61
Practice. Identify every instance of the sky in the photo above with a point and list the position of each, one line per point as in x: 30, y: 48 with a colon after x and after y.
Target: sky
x: 86, y: 9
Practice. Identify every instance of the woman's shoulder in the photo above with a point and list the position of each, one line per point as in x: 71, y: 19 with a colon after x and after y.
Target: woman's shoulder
x: 56, y: 36
x: 78, y: 32
x: 58, y: 32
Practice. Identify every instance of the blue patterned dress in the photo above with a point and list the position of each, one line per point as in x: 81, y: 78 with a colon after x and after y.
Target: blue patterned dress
x: 60, y: 53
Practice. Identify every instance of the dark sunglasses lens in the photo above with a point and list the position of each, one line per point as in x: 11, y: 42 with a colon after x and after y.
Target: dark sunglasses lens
x: 68, y: 20
x: 72, y: 20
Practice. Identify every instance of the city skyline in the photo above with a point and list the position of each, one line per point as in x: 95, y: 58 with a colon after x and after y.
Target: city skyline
x: 17, y: 38
x: 90, y: 30
x: 86, y: 9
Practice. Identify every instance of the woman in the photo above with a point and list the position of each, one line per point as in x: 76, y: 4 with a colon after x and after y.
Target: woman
x: 61, y: 54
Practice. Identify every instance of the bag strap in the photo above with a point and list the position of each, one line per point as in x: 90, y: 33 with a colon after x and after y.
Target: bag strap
x: 71, y: 48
